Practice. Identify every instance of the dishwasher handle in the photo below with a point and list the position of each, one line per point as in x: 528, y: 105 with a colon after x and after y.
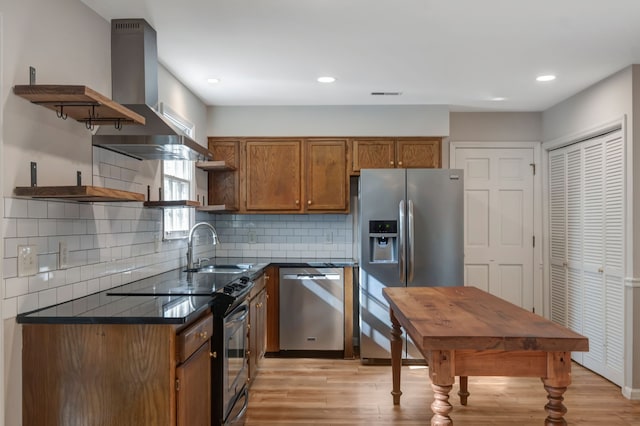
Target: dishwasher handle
x: 301, y: 277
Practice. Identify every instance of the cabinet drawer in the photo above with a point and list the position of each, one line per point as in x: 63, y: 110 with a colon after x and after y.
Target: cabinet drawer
x: 193, y: 337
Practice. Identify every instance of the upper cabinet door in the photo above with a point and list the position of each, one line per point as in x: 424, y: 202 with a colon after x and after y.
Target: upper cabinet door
x: 273, y: 172
x: 418, y: 153
x: 326, y: 175
x: 373, y: 154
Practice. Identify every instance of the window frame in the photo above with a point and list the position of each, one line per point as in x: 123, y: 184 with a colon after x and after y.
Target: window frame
x: 168, y: 214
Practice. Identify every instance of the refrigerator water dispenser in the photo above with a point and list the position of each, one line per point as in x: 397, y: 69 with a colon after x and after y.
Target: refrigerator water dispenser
x: 383, y: 241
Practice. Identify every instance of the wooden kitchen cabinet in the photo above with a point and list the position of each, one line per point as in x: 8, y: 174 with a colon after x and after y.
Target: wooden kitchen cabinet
x: 193, y: 388
x: 326, y: 180
x: 116, y: 374
x: 224, y: 183
x: 272, y: 278
x: 257, y: 325
x: 373, y: 154
x: 272, y: 178
x: 379, y: 153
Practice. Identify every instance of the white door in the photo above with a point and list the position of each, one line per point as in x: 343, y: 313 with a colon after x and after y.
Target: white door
x: 586, y: 229
x: 499, y: 222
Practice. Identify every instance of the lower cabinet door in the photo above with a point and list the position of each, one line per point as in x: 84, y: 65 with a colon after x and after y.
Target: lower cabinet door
x: 193, y: 389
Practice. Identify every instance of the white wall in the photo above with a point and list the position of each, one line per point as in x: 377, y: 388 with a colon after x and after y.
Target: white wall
x: 496, y: 126
x: 492, y: 127
x: 612, y: 99
x: 420, y: 120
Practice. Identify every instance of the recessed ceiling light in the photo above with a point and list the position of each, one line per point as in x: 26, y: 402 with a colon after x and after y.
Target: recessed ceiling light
x: 498, y: 99
x: 548, y: 77
x: 326, y: 79
x: 213, y: 80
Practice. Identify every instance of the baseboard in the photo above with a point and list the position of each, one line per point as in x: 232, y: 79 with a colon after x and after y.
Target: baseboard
x: 631, y: 393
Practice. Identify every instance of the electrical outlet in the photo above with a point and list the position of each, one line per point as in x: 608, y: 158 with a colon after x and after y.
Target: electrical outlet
x: 328, y: 237
x: 63, y: 255
x: 156, y: 243
x: 252, y: 236
x: 27, y: 260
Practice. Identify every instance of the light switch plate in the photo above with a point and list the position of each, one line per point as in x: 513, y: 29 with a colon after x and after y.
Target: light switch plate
x: 27, y: 260
x: 63, y: 255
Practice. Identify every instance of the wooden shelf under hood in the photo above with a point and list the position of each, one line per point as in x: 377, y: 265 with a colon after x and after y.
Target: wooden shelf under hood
x: 83, y: 193
x: 172, y: 204
x: 80, y: 103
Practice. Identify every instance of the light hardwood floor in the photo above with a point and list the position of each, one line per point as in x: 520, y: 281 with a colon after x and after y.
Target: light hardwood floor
x: 344, y: 392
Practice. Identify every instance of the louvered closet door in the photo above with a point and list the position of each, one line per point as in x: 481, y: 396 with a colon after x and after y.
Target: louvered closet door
x: 586, y: 214
x: 614, y: 243
x: 574, y: 260
x: 558, y: 235
x: 593, y: 233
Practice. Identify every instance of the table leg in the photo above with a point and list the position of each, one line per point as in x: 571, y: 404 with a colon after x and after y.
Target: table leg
x: 555, y: 383
x: 441, y: 367
x: 463, y: 393
x: 396, y: 357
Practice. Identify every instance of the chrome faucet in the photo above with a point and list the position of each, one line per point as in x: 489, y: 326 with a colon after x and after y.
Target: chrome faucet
x: 214, y: 234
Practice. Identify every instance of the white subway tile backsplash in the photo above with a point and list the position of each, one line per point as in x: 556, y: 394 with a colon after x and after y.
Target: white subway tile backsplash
x: 37, y: 208
x: 47, y: 298
x: 38, y: 282
x: 10, y: 307
x: 17, y: 286
x: 64, y: 293
x: 47, y: 227
x: 27, y: 227
x: 28, y: 302
x: 10, y: 267
x: 112, y: 244
x: 15, y: 207
x: 79, y: 290
x: 10, y: 228
x: 55, y: 211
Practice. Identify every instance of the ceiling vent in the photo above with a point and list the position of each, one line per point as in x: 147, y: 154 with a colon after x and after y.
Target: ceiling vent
x: 386, y: 93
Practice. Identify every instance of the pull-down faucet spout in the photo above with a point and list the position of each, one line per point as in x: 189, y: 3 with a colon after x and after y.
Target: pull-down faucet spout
x: 214, y: 234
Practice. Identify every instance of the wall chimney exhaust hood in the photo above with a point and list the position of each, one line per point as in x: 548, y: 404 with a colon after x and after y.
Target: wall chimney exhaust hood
x: 134, y: 73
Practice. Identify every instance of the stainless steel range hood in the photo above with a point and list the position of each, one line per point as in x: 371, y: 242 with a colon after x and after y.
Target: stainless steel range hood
x: 134, y: 74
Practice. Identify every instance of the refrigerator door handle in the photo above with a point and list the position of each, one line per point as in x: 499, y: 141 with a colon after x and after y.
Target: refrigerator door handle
x: 401, y: 236
x: 410, y: 245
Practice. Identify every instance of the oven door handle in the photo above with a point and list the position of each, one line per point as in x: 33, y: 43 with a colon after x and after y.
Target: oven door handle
x: 239, y: 315
x: 245, y: 405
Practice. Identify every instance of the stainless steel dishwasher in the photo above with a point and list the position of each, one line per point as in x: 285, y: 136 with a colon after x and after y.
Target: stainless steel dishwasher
x: 312, y: 309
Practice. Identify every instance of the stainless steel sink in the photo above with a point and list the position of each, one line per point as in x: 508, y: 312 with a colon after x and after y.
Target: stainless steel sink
x: 223, y: 269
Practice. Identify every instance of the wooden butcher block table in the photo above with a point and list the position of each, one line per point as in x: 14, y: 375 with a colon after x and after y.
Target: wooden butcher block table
x: 464, y: 331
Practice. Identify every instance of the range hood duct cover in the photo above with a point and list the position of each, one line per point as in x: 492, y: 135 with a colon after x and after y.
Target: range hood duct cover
x: 134, y: 74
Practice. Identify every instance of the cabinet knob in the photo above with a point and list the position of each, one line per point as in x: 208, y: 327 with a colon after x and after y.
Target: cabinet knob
x: 297, y: 202
x: 213, y: 355
x: 309, y: 202
x: 203, y: 335
x: 601, y: 269
x: 391, y: 163
x: 399, y: 163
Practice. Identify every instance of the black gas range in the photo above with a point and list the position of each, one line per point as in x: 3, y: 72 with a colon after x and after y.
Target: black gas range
x: 230, y: 346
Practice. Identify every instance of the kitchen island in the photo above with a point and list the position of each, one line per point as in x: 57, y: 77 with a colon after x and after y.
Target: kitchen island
x: 464, y: 331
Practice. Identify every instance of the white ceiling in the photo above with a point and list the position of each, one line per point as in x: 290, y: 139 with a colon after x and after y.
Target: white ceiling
x: 436, y: 52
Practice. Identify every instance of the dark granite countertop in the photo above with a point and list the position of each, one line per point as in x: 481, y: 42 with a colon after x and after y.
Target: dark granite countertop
x: 173, y: 297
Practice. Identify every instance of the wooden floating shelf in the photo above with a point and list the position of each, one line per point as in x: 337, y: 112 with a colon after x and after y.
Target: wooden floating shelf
x: 82, y: 193
x: 219, y: 165
x: 172, y: 204
x: 80, y: 103
x: 219, y: 208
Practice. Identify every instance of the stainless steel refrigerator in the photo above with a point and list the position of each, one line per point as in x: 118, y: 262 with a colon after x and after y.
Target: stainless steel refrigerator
x: 411, y: 235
